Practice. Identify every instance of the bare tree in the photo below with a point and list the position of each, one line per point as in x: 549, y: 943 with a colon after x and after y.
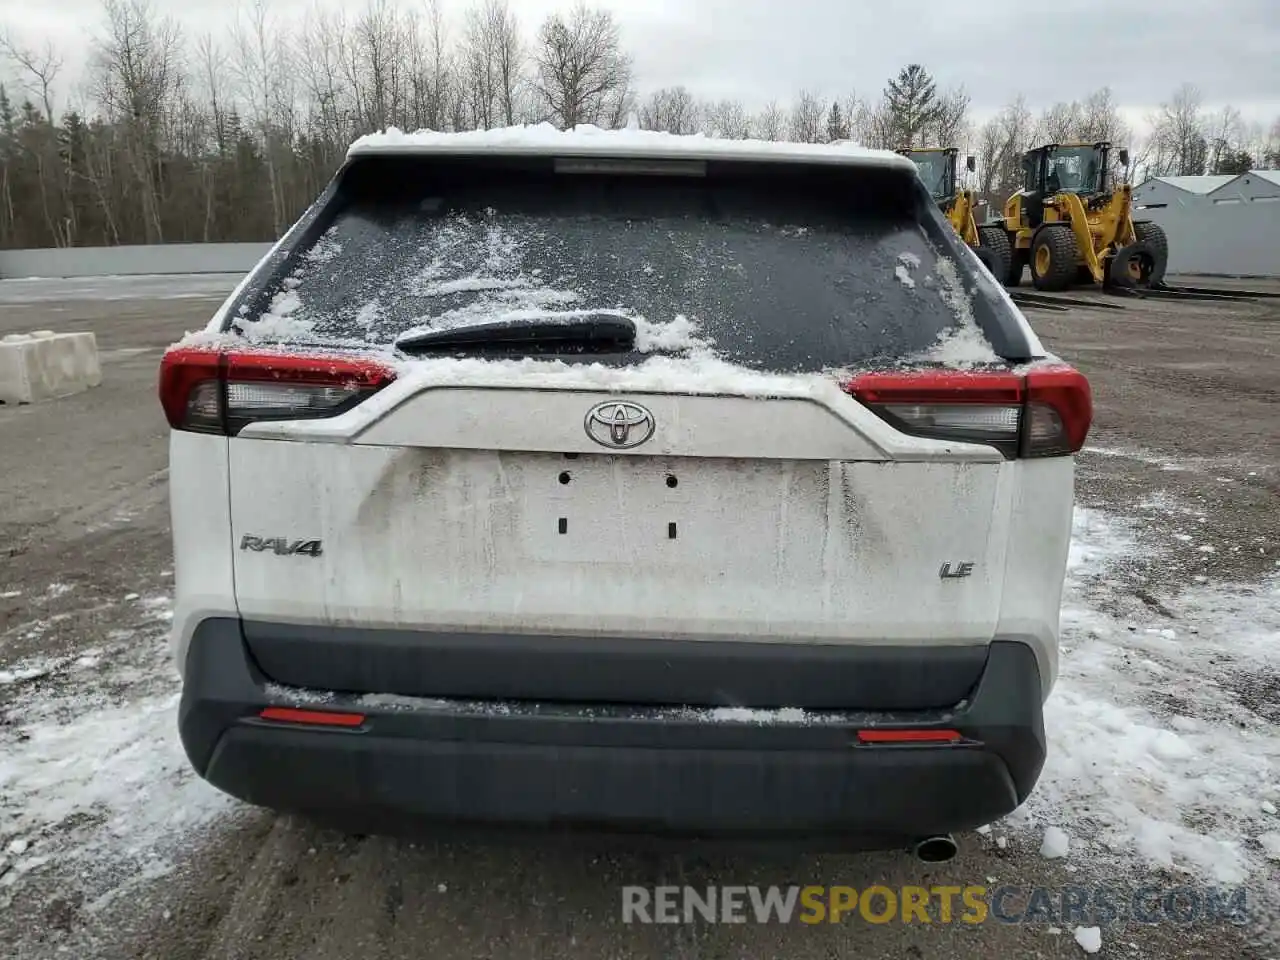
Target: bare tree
x: 511, y: 55
x: 771, y: 123
x: 1225, y: 134
x: 433, y: 81
x: 211, y: 63
x: 987, y: 152
x: 1060, y: 123
x: 260, y: 61
x: 319, y: 56
x: 212, y: 66
x: 583, y: 75
x: 493, y: 55
x: 858, y: 117
x: 949, y: 125
x: 806, y: 118
x: 1002, y: 141
x: 376, y: 59
x: 672, y: 109
x: 137, y: 78
x: 1270, y: 158
x: 728, y: 119
x: 620, y: 107
x: 880, y: 126
x: 39, y: 69
x: 1178, y: 132
x: 1100, y: 118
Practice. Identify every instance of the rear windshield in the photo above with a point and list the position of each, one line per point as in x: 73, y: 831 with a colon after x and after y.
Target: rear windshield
x: 774, y: 268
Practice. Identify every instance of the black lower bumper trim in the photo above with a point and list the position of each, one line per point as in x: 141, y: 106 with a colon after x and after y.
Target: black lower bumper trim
x: 654, y: 670
x: 653, y: 770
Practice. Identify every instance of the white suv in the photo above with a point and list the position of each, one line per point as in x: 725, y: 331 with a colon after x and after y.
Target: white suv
x: 662, y: 483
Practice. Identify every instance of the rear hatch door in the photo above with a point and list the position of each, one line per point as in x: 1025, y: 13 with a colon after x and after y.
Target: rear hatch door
x: 709, y: 483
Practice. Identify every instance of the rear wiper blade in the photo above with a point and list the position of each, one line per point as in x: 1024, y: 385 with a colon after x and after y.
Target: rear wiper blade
x: 578, y: 332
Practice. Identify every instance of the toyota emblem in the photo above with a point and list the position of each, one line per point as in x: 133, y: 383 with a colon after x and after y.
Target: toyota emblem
x: 619, y: 424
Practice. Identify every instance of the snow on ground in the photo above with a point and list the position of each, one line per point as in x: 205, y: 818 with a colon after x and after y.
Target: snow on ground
x: 1155, y: 748
x: 93, y: 780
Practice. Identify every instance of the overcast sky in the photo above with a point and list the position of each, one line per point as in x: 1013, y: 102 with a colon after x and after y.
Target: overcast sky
x: 757, y: 50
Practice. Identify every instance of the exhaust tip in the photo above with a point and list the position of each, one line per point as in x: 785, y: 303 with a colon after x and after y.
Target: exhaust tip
x: 939, y: 849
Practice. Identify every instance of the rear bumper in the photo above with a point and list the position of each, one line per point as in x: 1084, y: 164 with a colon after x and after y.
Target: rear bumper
x: 652, y: 769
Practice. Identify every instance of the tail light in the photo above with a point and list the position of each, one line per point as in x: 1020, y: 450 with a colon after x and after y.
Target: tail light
x: 218, y: 391
x: 909, y: 735
x: 315, y: 718
x: 1044, y: 413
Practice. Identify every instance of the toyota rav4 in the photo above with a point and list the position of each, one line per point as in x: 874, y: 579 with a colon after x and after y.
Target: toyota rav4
x: 668, y: 484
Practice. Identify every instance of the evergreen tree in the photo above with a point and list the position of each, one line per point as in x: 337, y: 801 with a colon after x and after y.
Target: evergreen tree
x: 1233, y: 162
x: 837, y: 124
x: 912, y: 103
x: 8, y: 125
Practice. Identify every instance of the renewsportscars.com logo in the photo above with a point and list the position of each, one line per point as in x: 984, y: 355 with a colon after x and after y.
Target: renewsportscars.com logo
x: 1086, y: 905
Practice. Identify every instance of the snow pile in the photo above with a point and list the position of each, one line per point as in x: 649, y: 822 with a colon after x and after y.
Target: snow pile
x: 906, y: 263
x: 1089, y: 938
x: 678, y: 335
x: 589, y: 140
x: 1056, y: 844
x: 1153, y: 750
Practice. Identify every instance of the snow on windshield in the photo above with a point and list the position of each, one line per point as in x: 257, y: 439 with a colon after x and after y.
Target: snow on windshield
x: 906, y: 263
x: 963, y: 345
x: 804, y: 293
x: 471, y: 273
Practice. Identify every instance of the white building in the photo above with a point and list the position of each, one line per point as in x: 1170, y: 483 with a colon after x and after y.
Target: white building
x: 1256, y: 186
x: 1173, y: 189
x: 1224, y: 225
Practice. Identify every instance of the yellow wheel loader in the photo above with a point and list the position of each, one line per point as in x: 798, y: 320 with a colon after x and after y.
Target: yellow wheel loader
x: 937, y: 168
x: 1070, y: 226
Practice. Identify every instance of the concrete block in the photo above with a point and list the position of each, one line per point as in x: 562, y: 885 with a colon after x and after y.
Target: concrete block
x: 43, y: 364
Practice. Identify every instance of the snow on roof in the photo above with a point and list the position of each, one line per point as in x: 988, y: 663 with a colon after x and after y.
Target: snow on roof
x: 1272, y: 175
x: 591, y: 141
x: 1200, y: 185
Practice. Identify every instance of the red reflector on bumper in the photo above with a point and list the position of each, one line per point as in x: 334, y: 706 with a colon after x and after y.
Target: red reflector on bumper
x: 318, y: 718
x: 908, y: 736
